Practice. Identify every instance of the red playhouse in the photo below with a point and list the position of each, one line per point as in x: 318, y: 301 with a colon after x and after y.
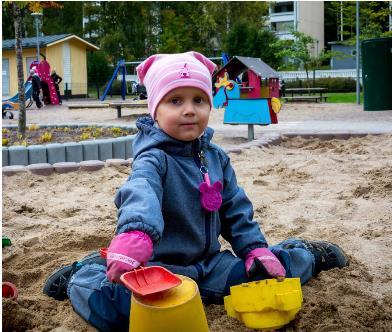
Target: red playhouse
x: 258, y: 79
x: 47, y: 84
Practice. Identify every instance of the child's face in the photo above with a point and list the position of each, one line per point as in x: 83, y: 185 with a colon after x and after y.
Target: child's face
x: 183, y: 113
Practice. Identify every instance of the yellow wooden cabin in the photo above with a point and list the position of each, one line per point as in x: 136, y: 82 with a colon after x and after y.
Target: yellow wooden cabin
x: 66, y: 53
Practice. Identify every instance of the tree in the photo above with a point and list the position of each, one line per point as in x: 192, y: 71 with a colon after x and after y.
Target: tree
x: 317, y: 61
x: 229, y: 15
x: 373, y: 16
x: 68, y: 19
x: 298, y: 51
x: 18, y: 8
x: 92, y: 27
x: 98, y: 69
x: 247, y: 40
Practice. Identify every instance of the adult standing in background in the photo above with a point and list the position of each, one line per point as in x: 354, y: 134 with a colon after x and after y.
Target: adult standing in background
x: 36, y: 83
x: 57, y: 80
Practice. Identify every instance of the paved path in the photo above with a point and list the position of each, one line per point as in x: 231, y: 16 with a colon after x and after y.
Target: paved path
x: 295, y: 118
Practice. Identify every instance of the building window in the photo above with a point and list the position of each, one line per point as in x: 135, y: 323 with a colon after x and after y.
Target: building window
x: 282, y: 27
x: 282, y: 7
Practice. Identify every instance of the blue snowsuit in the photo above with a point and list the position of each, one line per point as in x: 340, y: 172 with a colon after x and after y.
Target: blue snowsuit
x: 162, y: 199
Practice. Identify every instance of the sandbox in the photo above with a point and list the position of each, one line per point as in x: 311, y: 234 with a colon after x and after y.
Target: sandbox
x: 336, y: 190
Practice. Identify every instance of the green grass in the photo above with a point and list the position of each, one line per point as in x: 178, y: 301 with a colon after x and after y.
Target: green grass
x: 343, y: 97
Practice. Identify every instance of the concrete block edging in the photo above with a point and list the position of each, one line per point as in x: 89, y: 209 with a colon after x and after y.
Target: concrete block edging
x: 52, y: 153
x: 45, y: 169
x: 105, y: 147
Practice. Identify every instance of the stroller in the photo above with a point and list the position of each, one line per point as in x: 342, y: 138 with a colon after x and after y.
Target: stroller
x: 141, y: 91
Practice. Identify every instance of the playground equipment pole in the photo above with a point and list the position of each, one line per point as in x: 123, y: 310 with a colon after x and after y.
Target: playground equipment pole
x: 37, y: 18
x: 357, y: 55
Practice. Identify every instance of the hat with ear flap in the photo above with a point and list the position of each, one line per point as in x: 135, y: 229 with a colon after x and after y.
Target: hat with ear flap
x: 162, y: 73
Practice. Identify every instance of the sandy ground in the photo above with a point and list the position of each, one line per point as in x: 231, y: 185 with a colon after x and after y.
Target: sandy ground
x: 336, y: 190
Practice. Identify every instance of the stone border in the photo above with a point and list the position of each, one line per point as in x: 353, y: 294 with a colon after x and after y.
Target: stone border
x: 93, y: 165
x: 46, y: 169
x: 99, y: 149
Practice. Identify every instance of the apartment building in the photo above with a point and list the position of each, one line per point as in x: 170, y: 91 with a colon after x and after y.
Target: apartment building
x: 303, y: 16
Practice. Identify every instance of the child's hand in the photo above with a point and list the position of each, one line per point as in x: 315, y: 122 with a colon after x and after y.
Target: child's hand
x: 126, y: 252
x: 263, y: 260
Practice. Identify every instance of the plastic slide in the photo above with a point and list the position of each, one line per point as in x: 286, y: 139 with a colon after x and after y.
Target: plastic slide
x: 13, y: 102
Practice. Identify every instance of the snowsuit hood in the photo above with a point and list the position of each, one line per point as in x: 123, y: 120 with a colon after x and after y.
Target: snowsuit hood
x: 150, y: 137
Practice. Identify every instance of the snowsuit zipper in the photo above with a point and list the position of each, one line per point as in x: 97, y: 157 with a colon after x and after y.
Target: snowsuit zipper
x: 207, y: 215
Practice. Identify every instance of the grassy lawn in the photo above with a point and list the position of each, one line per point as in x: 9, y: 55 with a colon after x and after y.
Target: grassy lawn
x: 342, y: 97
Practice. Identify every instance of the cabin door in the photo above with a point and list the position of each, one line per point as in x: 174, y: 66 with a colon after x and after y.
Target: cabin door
x: 274, y: 87
x: 6, y: 78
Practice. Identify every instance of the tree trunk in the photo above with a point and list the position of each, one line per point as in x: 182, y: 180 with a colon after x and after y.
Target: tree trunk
x: 307, y: 76
x: 19, y: 66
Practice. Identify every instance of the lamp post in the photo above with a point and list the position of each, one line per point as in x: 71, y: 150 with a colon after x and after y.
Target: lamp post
x: 37, y: 21
x: 358, y: 92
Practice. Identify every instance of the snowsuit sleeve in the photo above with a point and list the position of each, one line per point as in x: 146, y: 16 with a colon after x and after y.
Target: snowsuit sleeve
x: 139, y: 200
x: 236, y: 215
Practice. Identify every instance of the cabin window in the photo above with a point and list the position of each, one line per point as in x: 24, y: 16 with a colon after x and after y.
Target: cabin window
x: 29, y: 61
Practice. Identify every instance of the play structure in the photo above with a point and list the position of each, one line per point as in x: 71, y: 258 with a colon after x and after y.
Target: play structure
x: 47, y: 85
x: 254, y: 101
x: 12, y: 104
x: 120, y: 67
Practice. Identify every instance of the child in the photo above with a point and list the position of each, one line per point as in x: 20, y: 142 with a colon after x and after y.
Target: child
x: 182, y: 194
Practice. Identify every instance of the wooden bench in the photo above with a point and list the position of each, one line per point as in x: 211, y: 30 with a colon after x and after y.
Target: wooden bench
x: 306, y: 98
x: 119, y: 105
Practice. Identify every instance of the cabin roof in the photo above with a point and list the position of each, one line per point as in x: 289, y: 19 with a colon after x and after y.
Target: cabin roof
x: 44, y: 41
x: 238, y: 64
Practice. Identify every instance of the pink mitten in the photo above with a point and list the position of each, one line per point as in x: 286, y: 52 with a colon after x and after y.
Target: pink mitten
x: 126, y: 252
x: 262, y: 259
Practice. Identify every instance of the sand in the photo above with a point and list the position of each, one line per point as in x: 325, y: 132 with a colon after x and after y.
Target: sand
x: 336, y: 190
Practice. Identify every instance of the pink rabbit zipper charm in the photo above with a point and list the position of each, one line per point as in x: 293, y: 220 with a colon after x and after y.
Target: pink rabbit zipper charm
x: 211, y: 198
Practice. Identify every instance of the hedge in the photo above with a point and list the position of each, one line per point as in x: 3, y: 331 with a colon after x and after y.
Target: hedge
x: 116, y: 87
x: 333, y: 84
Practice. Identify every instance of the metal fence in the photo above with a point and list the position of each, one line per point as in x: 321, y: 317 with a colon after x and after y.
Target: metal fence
x: 95, y: 90
x: 301, y: 75
x: 90, y: 90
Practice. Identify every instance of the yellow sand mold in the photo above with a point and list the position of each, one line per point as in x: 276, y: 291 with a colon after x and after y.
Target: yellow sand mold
x: 265, y: 304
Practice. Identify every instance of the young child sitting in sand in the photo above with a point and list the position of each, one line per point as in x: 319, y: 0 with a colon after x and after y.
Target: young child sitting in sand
x: 182, y: 194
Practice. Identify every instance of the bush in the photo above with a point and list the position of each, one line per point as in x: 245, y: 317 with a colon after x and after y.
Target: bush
x: 98, y: 69
x: 116, y: 87
x: 333, y: 84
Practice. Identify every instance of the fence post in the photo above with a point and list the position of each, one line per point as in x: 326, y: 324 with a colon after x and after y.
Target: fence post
x: 97, y: 87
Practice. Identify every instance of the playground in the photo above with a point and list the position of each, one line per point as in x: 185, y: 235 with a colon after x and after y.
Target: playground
x: 303, y: 187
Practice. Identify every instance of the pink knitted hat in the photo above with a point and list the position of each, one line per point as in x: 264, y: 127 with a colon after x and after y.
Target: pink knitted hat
x: 162, y: 73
